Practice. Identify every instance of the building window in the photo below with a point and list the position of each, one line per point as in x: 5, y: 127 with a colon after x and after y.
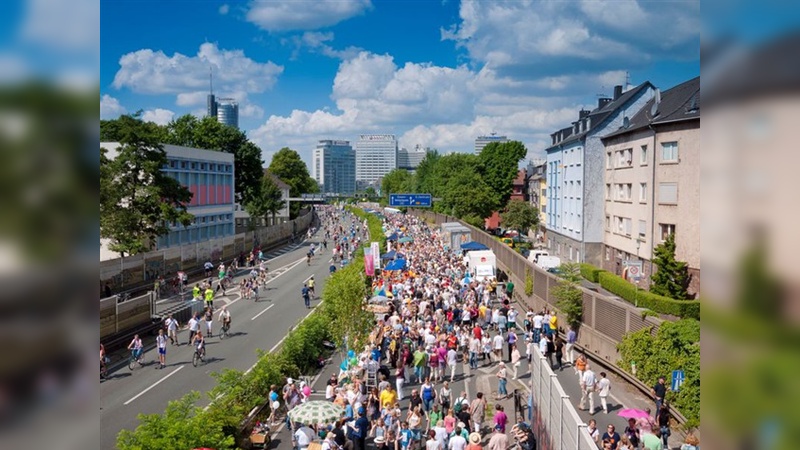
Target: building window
x: 668, y: 193
x: 642, y: 192
x: 642, y: 229
x: 669, y: 152
x: 608, y: 222
x: 624, y: 158
x: 624, y: 192
x: 608, y: 253
x: 608, y: 191
x: 666, y: 230
x: 643, y: 156
x: 609, y: 163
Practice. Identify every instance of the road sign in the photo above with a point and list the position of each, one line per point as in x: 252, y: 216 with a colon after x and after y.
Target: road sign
x: 410, y: 200
x: 677, y: 380
x: 633, y: 269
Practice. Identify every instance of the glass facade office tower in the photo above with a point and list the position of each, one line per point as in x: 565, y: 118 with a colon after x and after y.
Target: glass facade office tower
x: 334, y: 167
x: 228, y: 112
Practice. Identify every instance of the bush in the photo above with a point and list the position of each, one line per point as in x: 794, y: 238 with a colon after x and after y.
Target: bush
x: 676, y: 345
x: 645, y: 299
x: 528, y: 282
x: 591, y: 272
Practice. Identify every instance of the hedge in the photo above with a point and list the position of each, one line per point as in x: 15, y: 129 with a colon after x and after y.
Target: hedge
x: 590, y: 272
x: 645, y: 299
x: 184, y: 425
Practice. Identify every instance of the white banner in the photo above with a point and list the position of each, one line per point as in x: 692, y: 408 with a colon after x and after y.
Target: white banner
x: 376, y: 254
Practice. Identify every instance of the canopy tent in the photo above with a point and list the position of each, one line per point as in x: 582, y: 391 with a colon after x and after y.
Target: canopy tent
x: 405, y: 239
x: 472, y: 245
x: 392, y: 255
x: 392, y: 237
x: 397, y: 264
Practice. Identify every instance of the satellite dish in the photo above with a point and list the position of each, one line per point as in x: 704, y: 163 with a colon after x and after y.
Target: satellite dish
x: 626, y: 122
x: 656, y: 103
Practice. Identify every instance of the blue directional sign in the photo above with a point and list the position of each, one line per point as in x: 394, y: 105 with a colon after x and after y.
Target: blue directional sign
x: 677, y: 380
x: 410, y: 200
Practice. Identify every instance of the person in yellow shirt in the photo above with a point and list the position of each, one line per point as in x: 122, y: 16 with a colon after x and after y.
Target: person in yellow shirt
x: 196, y: 292
x: 388, y: 397
x: 482, y: 313
x: 209, y: 294
x: 553, y: 324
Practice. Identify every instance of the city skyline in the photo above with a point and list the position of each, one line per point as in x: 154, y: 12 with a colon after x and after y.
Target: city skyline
x: 333, y: 72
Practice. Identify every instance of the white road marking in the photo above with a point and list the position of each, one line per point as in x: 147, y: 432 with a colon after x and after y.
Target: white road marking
x: 154, y: 385
x: 262, y: 312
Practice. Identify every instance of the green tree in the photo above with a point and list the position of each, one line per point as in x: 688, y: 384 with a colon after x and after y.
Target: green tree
x: 370, y: 192
x: 520, y: 215
x: 267, y: 201
x: 467, y: 196
x: 287, y: 165
x: 498, y: 165
x: 672, y: 277
x: 425, y: 174
x: 207, y: 133
x: 676, y: 345
x: 138, y: 201
x: 396, y: 182
x: 182, y: 425
x: 569, y: 298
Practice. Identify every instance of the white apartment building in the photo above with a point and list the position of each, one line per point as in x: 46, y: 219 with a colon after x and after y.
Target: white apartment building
x: 483, y: 141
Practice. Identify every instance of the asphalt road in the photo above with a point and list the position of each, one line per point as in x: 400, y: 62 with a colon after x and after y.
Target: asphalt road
x: 255, y: 325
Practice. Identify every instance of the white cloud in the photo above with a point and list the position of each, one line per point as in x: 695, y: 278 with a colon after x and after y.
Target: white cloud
x: 158, y: 116
x: 251, y: 110
x: 317, y: 41
x: 110, y: 108
x: 304, y: 15
x: 63, y: 24
x: 152, y: 72
x: 535, y: 39
x: 224, y: 9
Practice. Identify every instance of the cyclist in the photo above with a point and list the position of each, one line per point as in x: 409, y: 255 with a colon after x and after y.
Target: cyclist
x: 311, y: 287
x: 137, y: 348
x: 225, y: 318
x: 200, y: 344
x: 308, y: 257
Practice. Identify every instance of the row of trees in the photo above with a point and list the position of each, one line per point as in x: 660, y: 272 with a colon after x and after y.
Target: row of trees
x: 138, y: 202
x: 470, y: 186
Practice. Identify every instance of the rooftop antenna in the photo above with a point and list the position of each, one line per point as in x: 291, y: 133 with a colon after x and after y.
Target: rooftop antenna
x: 211, y: 79
x: 627, y: 80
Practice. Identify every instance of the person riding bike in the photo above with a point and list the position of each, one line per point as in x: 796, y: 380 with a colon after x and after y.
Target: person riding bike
x: 200, y: 344
x: 225, y: 318
x: 308, y: 258
x: 137, y: 347
x: 311, y: 286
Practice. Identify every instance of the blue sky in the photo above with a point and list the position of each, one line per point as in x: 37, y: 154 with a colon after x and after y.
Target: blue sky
x: 435, y: 73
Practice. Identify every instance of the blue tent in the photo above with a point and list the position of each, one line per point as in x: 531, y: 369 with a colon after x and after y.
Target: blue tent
x: 389, y: 255
x: 393, y: 237
x: 472, y: 245
x: 397, y: 264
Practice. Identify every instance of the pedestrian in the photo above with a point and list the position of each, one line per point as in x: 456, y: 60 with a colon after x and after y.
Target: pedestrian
x: 659, y: 392
x: 306, y: 293
x: 511, y: 340
x: 445, y: 396
x: 399, y: 379
x: 499, y: 440
x: 612, y: 437
x: 572, y: 338
x: 500, y: 418
x: 477, y: 411
x: 632, y: 433
x: 209, y: 318
x: 691, y: 442
x: 591, y: 428
x: 474, y: 441
x: 603, y: 389
x: 663, y: 424
x: 502, y: 380
x: 161, y: 343
x: 515, y: 359
x: 194, y: 325
x: 588, y: 382
x: 172, y: 330
x: 559, y: 351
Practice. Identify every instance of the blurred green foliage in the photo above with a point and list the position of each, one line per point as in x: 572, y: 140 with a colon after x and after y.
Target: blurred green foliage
x: 675, y: 346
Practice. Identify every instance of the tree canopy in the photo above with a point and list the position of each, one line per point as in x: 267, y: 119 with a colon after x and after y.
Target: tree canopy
x: 138, y: 201
x: 672, y: 277
x: 287, y: 165
x: 520, y: 215
x: 267, y: 201
x: 396, y: 182
x: 499, y: 163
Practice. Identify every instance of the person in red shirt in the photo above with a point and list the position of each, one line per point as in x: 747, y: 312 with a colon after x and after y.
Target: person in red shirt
x: 477, y: 331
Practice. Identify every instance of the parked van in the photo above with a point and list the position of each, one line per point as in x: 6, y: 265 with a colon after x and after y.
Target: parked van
x: 534, y: 255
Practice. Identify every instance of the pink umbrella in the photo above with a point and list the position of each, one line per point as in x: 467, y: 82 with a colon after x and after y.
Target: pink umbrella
x: 632, y: 413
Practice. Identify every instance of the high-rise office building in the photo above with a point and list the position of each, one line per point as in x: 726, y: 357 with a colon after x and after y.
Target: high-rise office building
x: 483, y: 141
x: 376, y: 155
x: 228, y: 112
x: 410, y: 159
x: 334, y: 167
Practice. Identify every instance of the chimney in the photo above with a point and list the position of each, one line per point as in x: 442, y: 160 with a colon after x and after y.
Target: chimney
x: 583, y: 113
x: 617, y: 91
x: 602, y: 101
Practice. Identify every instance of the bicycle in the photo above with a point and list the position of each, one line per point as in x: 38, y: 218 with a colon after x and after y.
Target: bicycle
x: 223, y: 330
x: 198, y: 356
x: 134, y: 359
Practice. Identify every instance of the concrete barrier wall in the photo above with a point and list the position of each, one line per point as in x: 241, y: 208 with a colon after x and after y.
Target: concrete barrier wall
x: 116, y: 317
x: 605, y: 319
x: 140, y: 270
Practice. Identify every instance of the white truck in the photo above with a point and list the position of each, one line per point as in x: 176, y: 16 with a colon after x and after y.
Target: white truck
x: 548, y: 262
x: 534, y: 255
x: 482, y: 264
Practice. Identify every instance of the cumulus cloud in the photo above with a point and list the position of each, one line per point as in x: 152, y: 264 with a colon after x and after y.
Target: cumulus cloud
x: 110, y: 108
x: 45, y: 23
x: 303, y: 15
x: 537, y: 39
x: 224, y: 9
x: 152, y: 72
x: 159, y: 116
x: 318, y: 42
